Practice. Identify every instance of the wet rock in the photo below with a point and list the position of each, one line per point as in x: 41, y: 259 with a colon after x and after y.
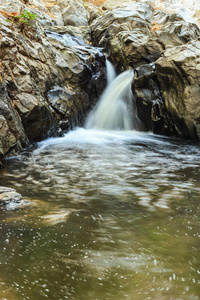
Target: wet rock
x: 168, y: 96
x: 67, y: 101
x: 138, y: 36
x: 66, y: 37
x: 86, y: 80
x: 81, y: 34
x: 150, y: 105
x: 9, y: 196
x: 178, y: 73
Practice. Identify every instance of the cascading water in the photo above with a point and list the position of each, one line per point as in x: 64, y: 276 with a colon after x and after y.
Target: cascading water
x: 114, y: 110
x: 110, y: 72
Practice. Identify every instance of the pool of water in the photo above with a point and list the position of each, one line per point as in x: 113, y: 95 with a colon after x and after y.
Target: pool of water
x: 107, y: 215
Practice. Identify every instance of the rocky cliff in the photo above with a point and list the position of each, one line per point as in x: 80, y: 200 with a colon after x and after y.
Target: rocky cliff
x: 50, y: 74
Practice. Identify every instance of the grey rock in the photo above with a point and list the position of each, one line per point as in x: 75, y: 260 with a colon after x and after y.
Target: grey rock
x: 9, y: 195
x: 33, y: 63
x: 71, y: 103
x: 178, y: 73
x: 150, y: 105
x: 168, y: 95
x: 93, y: 12
x: 74, y: 13
x: 12, y: 6
x: 12, y: 133
x: 137, y: 35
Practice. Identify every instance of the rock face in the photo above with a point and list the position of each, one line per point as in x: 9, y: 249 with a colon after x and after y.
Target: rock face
x: 178, y: 73
x: 150, y: 106
x: 125, y: 33
x: 168, y: 95
x: 12, y: 134
x: 135, y: 35
x: 33, y: 65
x: 28, y: 66
x: 74, y: 13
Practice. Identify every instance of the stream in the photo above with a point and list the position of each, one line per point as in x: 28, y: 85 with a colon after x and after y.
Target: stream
x: 109, y: 212
x: 107, y: 215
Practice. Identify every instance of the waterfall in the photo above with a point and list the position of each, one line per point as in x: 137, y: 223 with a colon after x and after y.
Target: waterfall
x: 110, y: 72
x: 114, y: 111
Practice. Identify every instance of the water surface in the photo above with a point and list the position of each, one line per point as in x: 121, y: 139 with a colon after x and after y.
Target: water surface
x: 110, y: 215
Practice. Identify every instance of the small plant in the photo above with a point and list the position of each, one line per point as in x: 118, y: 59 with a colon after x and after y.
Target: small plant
x: 26, y: 17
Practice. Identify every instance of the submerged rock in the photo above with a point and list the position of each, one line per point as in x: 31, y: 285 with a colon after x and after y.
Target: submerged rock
x: 9, y: 196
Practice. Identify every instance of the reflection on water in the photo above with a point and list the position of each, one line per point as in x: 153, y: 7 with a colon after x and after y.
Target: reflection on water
x: 112, y: 215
